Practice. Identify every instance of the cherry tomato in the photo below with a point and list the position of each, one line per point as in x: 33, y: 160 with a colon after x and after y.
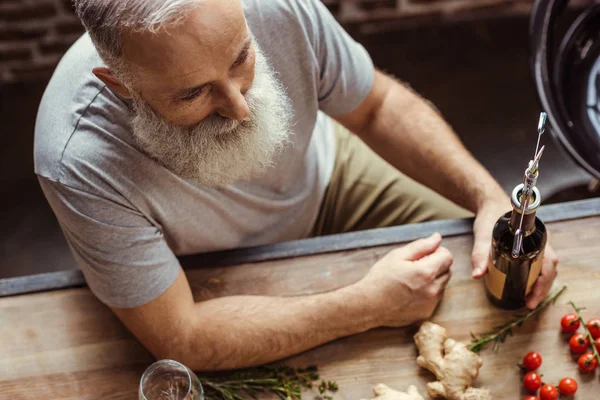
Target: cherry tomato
x: 587, y: 362
x: 532, y: 361
x: 531, y: 398
x: 532, y: 381
x: 593, y: 326
x: 548, y: 392
x: 579, y: 343
x: 567, y: 386
x: 569, y: 323
x: 597, y: 344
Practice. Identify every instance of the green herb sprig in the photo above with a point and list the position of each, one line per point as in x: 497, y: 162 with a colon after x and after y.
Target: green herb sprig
x: 501, y: 332
x: 284, y: 381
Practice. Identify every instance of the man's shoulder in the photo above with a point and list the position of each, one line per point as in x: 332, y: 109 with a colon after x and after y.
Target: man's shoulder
x: 283, y: 19
x: 75, y: 103
x: 286, y: 32
x: 275, y: 8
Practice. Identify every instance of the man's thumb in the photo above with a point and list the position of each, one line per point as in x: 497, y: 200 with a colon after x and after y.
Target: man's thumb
x: 420, y: 248
x: 479, y: 258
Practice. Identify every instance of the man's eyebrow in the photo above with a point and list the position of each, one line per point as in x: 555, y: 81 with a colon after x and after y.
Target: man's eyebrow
x: 242, y: 55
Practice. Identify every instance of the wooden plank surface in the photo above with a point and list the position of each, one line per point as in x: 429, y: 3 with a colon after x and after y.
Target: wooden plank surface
x: 66, y: 345
x: 306, y: 247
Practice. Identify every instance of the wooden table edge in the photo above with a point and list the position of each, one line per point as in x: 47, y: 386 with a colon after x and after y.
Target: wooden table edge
x: 305, y: 247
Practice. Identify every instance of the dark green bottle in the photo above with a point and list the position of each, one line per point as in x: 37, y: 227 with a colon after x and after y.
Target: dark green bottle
x: 518, y: 240
x: 511, y: 275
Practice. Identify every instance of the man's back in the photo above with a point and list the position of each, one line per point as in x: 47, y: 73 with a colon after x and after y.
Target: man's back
x: 123, y: 212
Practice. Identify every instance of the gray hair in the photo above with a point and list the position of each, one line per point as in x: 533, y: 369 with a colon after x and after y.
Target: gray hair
x: 107, y: 22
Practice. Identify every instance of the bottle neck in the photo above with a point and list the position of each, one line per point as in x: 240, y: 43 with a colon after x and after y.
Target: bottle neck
x: 528, y: 226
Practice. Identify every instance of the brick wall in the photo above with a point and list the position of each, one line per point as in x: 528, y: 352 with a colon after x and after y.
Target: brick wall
x: 33, y: 36
x: 365, y: 11
x: 367, y: 16
x: 35, y: 33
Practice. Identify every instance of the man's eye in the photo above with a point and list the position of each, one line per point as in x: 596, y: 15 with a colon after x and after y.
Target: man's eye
x: 193, y: 94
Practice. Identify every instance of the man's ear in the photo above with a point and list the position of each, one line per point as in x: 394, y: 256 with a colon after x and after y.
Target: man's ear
x: 105, y: 76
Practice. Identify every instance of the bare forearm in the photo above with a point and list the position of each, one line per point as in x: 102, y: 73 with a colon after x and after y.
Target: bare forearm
x: 242, y: 331
x: 414, y: 138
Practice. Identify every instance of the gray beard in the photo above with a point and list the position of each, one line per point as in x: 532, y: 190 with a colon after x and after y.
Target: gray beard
x: 219, y: 151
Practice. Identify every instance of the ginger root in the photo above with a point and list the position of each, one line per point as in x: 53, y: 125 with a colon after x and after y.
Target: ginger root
x: 453, y: 364
x: 384, y: 392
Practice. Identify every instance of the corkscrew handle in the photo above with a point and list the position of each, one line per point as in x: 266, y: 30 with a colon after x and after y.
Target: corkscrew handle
x: 542, y: 123
x: 529, y: 181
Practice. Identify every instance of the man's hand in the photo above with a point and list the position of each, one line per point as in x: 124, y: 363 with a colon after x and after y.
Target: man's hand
x: 544, y: 283
x: 406, y: 285
x: 485, y: 220
x: 487, y: 216
x: 394, y: 120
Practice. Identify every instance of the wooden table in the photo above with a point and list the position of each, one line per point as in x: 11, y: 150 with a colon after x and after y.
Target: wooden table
x: 64, y: 344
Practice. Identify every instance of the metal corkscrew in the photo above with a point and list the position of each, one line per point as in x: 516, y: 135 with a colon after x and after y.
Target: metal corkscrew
x: 529, y: 181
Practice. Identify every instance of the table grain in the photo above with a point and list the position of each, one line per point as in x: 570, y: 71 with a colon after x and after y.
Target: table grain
x: 65, y: 344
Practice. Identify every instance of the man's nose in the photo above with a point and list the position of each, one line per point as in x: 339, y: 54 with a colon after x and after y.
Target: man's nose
x: 232, y: 103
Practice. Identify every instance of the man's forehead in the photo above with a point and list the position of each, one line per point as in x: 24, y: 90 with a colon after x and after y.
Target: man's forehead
x: 203, y: 43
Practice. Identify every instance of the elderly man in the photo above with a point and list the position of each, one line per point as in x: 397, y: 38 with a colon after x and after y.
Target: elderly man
x: 184, y: 126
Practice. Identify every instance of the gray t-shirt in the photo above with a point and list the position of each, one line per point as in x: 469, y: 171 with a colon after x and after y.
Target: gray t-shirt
x: 126, y: 217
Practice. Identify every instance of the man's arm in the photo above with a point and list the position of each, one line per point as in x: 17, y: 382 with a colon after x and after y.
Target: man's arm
x: 408, y: 133
x: 240, y: 331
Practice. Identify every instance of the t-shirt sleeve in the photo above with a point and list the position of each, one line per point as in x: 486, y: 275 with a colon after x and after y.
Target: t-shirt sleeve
x: 346, y: 69
x: 123, y: 256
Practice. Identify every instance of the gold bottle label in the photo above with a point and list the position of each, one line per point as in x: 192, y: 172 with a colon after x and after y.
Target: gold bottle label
x: 495, y: 280
x: 534, y: 272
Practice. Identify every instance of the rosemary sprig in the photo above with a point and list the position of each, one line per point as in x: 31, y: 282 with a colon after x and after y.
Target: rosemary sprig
x: 501, y: 332
x: 585, y: 328
x: 284, y: 381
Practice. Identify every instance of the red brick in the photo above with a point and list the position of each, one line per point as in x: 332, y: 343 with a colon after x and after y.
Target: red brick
x: 377, y: 5
x: 441, y: 2
x: 69, y: 27
x: 20, y: 31
x: 5, y: 75
x: 333, y: 7
x: 487, y: 8
x: 464, y: 5
x: 19, y: 12
x: 12, y: 52
x: 58, y: 45
x: 69, y: 6
x: 40, y: 69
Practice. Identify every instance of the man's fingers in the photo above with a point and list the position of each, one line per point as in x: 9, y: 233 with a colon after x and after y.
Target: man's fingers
x: 483, y: 226
x: 480, y: 255
x: 420, y: 248
x: 540, y: 289
x: 437, y: 288
x: 440, y: 261
x: 552, y: 257
x: 544, y: 282
x: 442, y: 280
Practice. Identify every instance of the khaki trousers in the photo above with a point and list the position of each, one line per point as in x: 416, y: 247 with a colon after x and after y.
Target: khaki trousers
x: 366, y: 192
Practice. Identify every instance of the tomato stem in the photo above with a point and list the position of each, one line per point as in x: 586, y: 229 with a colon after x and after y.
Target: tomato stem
x: 587, y: 331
